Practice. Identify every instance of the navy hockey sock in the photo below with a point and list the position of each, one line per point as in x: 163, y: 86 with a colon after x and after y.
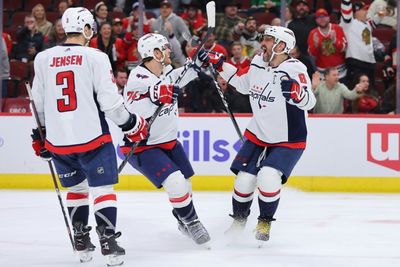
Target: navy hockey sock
x: 105, y: 207
x: 241, y: 209
x: 187, y: 213
x: 78, y: 207
x: 267, y: 209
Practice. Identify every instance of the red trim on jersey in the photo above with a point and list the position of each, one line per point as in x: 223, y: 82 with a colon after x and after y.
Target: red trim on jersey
x: 267, y: 194
x: 347, y: 12
x: 250, y: 136
x: 75, y: 196
x: 105, y: 198
x: 241, y: 194
x: 179, y: 199
x: 242, y: 71
x: 95, y: 143
x: 167, y: 146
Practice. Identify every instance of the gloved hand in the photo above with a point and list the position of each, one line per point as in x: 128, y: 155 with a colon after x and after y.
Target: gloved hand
x: 216, y: 59
x: 138, y: 131
x: 291, y: 89
x: 38, y: 145
x: 164, y: 93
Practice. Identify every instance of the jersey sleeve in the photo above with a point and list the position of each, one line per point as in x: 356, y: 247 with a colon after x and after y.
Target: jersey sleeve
x: 104, y: 82
x: 237, y: 78
x: 189, y: 76
x: 38, y: 87
x: 136, y: 97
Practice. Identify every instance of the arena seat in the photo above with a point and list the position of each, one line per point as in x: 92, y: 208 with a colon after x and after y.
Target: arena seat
x: 12, y: 5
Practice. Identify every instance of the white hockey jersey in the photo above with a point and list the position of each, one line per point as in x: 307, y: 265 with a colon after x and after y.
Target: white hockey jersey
x: 275, y: 121
x: 73, y: 87
x: 164, y: 129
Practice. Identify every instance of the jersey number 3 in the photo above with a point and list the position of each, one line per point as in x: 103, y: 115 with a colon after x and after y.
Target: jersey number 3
x: 66, y: 78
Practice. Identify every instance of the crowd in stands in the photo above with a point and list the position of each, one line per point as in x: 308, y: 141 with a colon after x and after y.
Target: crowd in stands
x: 349, y: 47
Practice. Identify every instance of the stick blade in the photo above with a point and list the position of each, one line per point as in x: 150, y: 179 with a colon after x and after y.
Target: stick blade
x: 210, y: 8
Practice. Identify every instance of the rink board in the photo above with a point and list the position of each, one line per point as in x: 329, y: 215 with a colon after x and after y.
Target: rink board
x: 346, y: 153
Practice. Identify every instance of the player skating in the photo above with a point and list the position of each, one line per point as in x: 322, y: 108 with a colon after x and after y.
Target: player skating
x: 161, y: 157
x: 73, y: 91
x: 280, y: 95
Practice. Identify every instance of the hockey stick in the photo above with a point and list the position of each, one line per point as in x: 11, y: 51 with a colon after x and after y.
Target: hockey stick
x: 53, y: 175
x: 221, y: 94
x: 210, y: 7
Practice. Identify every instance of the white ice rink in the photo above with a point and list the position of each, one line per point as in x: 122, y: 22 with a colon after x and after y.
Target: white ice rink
x: 312, y: 229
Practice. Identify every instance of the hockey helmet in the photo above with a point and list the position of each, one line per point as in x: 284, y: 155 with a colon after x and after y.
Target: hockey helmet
x: 282, y: 34
x: 147, y: 43
x: 75, y: 19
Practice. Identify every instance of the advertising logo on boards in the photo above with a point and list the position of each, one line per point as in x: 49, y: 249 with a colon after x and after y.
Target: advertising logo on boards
x: 383, y: 145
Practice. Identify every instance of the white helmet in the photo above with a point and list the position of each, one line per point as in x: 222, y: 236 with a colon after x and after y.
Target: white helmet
x: 75, y: 19
x: 282, y: 34
x: 147, y: 43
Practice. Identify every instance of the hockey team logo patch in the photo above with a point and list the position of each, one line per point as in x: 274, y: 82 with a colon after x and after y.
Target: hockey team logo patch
x: 383, y: 145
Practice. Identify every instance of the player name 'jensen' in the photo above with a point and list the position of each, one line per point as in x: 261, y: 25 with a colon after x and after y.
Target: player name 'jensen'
x: 66, y: 60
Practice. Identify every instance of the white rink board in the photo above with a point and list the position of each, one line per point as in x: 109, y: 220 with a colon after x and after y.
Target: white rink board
x: 337, y: 146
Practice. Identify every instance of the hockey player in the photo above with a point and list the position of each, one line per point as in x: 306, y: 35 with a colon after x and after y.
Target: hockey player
x: 73, y: 90
x: 161, y: 157
x: 280, y: 95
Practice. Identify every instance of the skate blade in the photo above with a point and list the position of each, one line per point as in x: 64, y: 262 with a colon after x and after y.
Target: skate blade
x: 115, y: 260
x: 85, y: 256
x: 206, y: 245
x: 260, y: 244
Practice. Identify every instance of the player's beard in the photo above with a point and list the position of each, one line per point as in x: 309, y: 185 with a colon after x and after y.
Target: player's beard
x: 267, y: 55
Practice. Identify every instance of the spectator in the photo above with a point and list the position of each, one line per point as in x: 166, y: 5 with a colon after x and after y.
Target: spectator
x: 62, y: 6
x: 117, y: 28
x: 368, y: 102
x: 276, y: 22
x: 114, y: 47
x: 237, y: 59
x: 388, y: 8
x: 9, y: 42
x: 390, y: 61
x: 57, y: 35
x: 327, y: 44
x: 295, y: 53
x: 288, y: 15
x: 131, y: 40
x: 43, y: 25
x: 212, y: 45
x: 388, y: 105
x: 101, y: 14
x: 226, y: 22
x: 178, y: 59
x: 5, y: 70
x: 121, y: 78
x: 358, y: 30
x: 302, y: 24
x: 246, y: 33
x: 331, y: 93
x: 180, y: 29
x: 133, y: 19
x: 194, y: 18
x: 29, y: 40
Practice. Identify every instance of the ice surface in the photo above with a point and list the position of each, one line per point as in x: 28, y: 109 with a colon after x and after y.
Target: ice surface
x: 312, y: 229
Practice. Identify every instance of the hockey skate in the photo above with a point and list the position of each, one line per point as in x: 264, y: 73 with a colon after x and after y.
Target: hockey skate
x: 181, y: 226
x: 82, y: 241
x: 237, y: 226
x: 262, y: 230
x: 197, y: 232
x: 109, y: 247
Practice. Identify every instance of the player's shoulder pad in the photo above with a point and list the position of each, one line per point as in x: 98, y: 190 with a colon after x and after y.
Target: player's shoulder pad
x: 293, y: 65
x: 258, y: 61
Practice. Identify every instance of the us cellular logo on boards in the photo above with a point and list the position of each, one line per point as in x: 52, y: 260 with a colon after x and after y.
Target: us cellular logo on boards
x: 383, y: 145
